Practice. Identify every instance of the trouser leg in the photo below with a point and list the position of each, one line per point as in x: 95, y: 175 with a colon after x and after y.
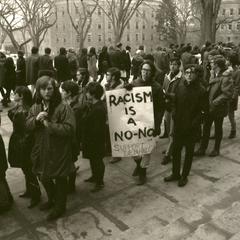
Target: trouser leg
x: 206, y: 132
x: 218, y: 122
x: 49, y: 187
x: 61, y: 186
x: 176, y: 161
x: 32, y: 185
x: 189, y: 145
x: 231, y: 117
x: 99, y: 170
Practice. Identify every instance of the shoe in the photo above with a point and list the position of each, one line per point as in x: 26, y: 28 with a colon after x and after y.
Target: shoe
x: 166, y: 160
x: 115, y: 159
x: 182, y: 181
x: 55, y: 214
x: 91, y: 180
x: 214, y: 153
x: 232, y: 134
x: 34, y: 203
x: 25, y: 195
x: 200, y: 152
x: 46, y: 206
x: 171, y: 178
x: 97, y: 188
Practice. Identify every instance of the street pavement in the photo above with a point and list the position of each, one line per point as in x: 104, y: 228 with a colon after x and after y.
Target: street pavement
x: 207, y: 208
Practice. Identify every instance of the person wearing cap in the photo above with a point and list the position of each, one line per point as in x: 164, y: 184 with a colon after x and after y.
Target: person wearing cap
x: 188, y: 104
x: 220, y: 91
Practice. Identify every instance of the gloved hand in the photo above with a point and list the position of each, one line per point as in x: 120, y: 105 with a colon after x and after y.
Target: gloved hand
x: 128, y: 86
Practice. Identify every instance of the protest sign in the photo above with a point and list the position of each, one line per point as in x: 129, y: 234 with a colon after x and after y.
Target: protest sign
x: 131, y: 121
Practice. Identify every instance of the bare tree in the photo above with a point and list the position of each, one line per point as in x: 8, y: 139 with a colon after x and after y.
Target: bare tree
x: 119, y: 13
x: 83, y: 20
x: 40, y: 16
x: 3, y: 36
x: 12, y: 22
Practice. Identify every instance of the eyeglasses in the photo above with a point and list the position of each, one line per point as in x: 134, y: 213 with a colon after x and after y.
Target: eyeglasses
x: 146, y: 70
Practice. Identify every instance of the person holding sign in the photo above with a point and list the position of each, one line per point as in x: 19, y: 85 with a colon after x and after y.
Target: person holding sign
x: 147, y: 79
x: 113, y: 82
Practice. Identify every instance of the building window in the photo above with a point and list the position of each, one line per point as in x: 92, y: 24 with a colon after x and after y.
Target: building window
x: 109, y: 25
x: 136, y: 25
x: 231, y: 11
x: 223, y: 11
x: 57, y: 40
x: 143, y: 37
x: 144, y: 26
x: 136, y: 37
x: 144, y: 13
x: 64, y: 40
x: 63, y: 26
x: 99, y: 38
x: 56, y: 26
x: 152, y: 26
x: 137, y: 14
x: 128, y: 38
x: 152, y: 14
x: 99, y: 26
x: 239, y: 11
x: 63, y: 13
x: 229, y: 39
x: 128, y: 26
x: 151, y: 37
x: 89, y: 38
x: 109, y: 38
x: 99, y: 11
x: 238, y: 26
x: 230, y: 26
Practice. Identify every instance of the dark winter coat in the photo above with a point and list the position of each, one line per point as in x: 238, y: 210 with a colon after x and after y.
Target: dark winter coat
x: 21, y: 141
x: 220, y: 91
x: 62, y: 67
x: 189, y: 103
x: 3, y: 159
x: 32, y: 69
x: 45, y: 63
x: 94, y: 130
x: 117, y: 58
x: 103, y: 62
x: 76, y: 107
x: 10, y: 76
x: 2, y: 71
x: 21, y: 72
x: 52, y: 154
x: 158, y: 100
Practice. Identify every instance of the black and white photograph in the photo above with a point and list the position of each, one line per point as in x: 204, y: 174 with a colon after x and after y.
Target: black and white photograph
x: 119, y: 120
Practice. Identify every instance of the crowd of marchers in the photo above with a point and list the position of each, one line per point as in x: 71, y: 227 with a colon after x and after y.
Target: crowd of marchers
x: 59, y: 111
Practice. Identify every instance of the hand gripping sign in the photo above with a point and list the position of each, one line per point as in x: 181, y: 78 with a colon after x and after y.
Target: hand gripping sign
x: 131, y: 121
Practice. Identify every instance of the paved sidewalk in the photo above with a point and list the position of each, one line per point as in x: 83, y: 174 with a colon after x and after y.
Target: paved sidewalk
x: 208, y: 208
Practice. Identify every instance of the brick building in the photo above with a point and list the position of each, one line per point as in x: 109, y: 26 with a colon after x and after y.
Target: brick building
x: 140, y: 30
